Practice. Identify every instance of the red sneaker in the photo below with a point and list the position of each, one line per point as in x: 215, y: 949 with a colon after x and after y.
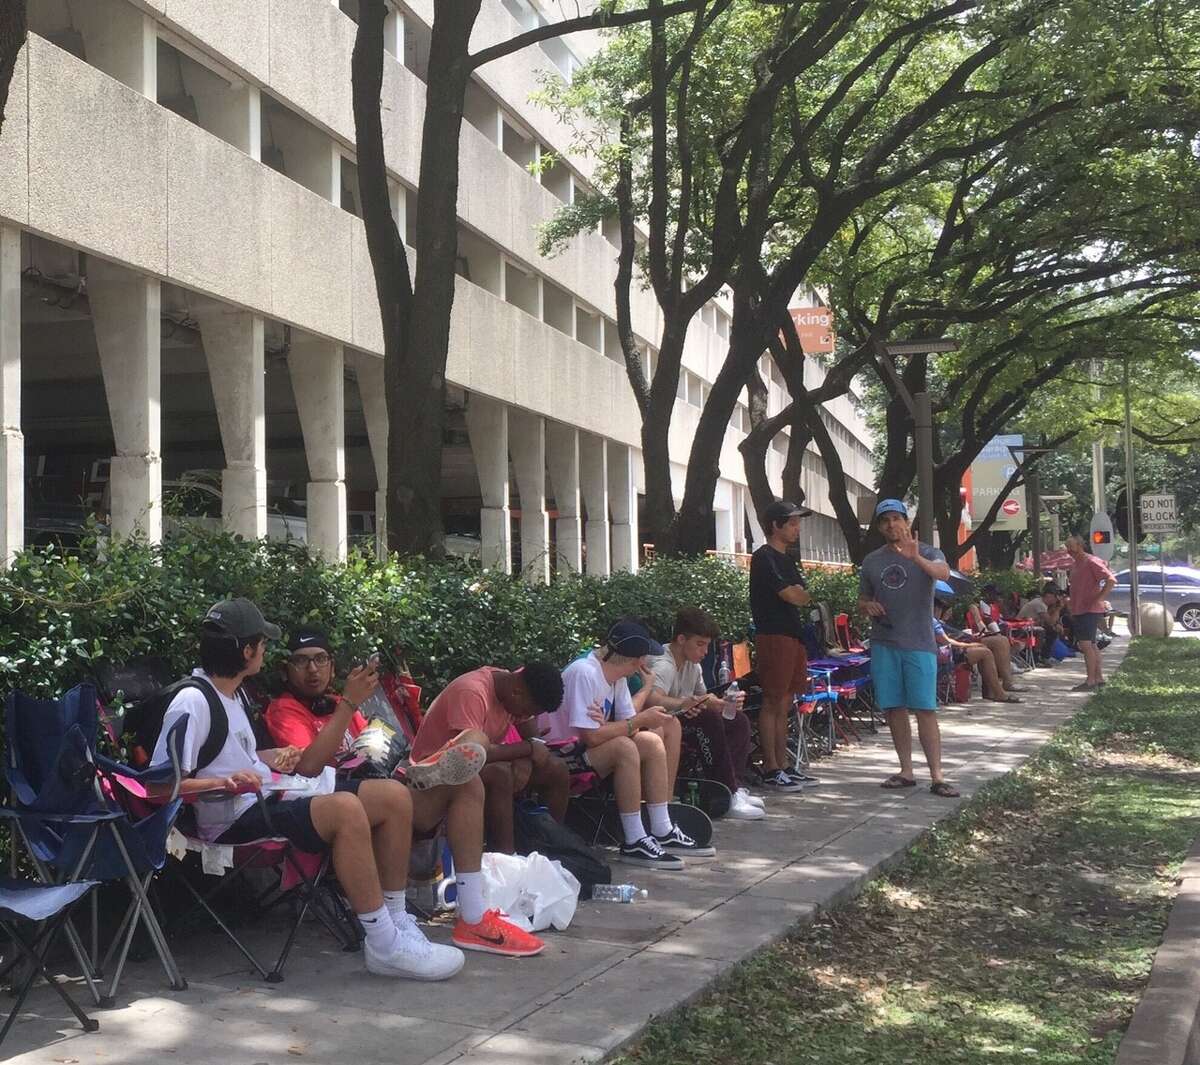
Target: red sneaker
x: 495, y: 935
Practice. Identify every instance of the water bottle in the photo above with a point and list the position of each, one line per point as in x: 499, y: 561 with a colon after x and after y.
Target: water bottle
x: 693, y: 794
x: 724, y: 676
x: 729, y: 706
x: 618, y: 893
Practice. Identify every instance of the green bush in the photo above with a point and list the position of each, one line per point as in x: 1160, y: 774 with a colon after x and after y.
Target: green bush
x: 67, y: 611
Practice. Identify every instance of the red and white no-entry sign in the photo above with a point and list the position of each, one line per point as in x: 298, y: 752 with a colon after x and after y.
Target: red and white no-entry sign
x: 1011, y: 507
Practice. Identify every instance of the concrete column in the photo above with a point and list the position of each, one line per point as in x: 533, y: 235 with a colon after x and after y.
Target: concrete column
x: 234, y: 115
x: 12, y: 441
x: 120, y: 40
x: 622, y: 502
x: 369, y: 370
x: 562, y: 457
x: 593, y: 484
x: 126, y: 313
x: 527, y: 442
x: 487, y: 426
x: 393, y: 33
x: 316, y: 368
x: 233, y: 346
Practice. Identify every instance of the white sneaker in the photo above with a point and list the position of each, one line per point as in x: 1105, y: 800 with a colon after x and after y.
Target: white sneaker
x: 742, y: 810
x: 753, y: 800
x: 414, y: 957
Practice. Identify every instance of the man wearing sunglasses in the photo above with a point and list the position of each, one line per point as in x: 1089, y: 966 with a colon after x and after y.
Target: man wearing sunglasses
x: 312, y: 717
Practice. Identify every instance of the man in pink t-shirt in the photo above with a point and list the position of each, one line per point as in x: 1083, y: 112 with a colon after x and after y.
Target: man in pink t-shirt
x: 1091, y: 583
x: 503, y: 705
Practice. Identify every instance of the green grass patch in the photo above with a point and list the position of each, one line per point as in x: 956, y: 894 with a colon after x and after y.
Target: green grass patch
x: 1022, y: 930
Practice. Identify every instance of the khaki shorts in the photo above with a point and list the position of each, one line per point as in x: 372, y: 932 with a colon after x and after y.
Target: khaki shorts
x: 781, y: 663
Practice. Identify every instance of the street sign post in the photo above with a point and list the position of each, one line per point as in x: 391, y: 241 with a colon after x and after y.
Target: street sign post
x: 1159, y: 518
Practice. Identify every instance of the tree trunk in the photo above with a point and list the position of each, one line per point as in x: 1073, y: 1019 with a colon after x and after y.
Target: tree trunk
x: 416, y: 382
x: 12, y: 39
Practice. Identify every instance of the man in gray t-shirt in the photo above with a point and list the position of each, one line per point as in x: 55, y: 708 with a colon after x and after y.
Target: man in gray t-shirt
x: 895, y: 589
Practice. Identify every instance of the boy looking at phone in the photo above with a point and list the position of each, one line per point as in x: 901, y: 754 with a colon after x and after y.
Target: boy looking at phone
x: 679, y: 688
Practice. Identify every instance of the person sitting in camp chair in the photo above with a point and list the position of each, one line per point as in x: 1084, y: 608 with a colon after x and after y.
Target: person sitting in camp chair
x: 599, y: 729
x: 444, y: 785
x: 499, y: 708
x: 368, y: 834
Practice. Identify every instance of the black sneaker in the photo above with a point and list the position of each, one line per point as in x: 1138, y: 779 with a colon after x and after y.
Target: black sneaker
x: 803, y: 779
x: 780, y: 781
x: 679, y: 842
x: 647, y: 851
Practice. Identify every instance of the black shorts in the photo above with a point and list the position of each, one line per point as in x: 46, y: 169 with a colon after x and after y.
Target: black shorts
x: 1085, y: 626
x: 289, y: 818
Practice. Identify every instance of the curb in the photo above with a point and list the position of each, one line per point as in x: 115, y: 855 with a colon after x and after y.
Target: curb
x: 1165, y: 1029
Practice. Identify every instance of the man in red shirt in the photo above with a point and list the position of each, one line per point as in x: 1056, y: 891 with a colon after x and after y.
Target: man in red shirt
x: 503, y: 706
x: 1091, y: 583
x: 311, y: 716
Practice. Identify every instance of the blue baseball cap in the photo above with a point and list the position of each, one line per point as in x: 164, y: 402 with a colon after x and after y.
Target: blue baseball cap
x: 890, y: 506
x: 632, y: 640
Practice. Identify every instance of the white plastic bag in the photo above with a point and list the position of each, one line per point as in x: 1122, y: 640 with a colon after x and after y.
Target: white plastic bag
x: 535, y: 892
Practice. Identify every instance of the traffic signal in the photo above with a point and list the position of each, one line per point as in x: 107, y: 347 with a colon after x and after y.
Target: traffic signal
x: 1101, y: 537
x: 1121, y: 518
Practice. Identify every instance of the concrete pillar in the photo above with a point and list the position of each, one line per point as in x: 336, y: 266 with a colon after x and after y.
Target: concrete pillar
x: 562, y: 458
x: 120, y: 40
x: 527, y: 442
x: 487, y: 426
x: 233, y: 346
x: 369, y: 370
x: 622, y: 503
x: 234, y: 115
x: 316, y: 368
x: 393, y: 33
x: 593, y: 484
x: 12, y: 442
x: 127, y: 319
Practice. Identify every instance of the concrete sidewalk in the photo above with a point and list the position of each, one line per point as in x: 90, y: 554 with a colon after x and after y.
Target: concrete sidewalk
x: 598, y: 983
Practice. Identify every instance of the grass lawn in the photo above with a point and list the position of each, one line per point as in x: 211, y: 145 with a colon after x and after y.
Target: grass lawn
x: 1021, y: 931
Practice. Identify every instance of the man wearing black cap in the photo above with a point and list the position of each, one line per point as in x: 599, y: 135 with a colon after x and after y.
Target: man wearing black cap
x: 614, y: 738
x: 777, y: 592
x: 369, y: 840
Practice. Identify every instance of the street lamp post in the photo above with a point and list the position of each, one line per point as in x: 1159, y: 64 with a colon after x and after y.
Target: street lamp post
x: 920, y: 409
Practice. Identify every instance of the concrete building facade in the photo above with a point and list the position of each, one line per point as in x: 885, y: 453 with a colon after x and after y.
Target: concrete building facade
x: 188, y: 322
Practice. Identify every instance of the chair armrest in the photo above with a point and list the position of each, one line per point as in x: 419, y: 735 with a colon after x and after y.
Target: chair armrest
x: 9, y: 814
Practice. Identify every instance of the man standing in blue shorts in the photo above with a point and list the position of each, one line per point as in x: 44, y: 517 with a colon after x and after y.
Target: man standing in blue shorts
x: 896, y: 586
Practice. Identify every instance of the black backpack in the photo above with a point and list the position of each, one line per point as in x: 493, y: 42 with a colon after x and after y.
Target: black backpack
x: 145, y: 720
x: 536, y: 830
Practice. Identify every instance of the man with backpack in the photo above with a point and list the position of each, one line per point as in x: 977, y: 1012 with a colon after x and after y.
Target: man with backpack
x: 443, y: 783
x: 370, y: 845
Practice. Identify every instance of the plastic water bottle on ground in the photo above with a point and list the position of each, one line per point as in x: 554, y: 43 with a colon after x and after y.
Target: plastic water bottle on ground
x: 729, y: 705
x: 618, y: 893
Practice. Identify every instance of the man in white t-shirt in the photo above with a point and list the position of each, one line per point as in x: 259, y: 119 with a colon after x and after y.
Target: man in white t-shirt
x: 1045, y: 609
x: 370, y: 840
x: 603, y: 731
x: 679, y: 688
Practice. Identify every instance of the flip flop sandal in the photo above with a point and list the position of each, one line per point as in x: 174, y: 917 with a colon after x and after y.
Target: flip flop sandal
x: 449, y: 767
x: 1006, y: 699
x: 896, y: 781
x: 943, y: 790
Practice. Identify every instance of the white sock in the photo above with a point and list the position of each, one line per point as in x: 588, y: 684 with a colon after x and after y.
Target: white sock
x: 631, y: 825
x: 380, y: 930
x: 660, y: 820
x: 470, y: 897
x: 394, y: 901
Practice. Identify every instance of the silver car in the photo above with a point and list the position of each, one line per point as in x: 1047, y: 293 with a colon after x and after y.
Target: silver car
x: 1183, y: 592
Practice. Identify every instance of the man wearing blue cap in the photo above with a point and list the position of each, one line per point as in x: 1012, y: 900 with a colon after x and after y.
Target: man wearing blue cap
x: 896, y: 590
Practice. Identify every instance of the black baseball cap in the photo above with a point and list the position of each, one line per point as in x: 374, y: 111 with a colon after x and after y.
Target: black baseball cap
x: 240, y: 618
x: 782, y: 509
x: 308, y: 636
x: 633, y: 640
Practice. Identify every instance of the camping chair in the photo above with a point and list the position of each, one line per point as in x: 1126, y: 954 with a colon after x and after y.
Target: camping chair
x: 50, y: 906
x: 71, y: 828
x: 945, y: 675
x: 1025, y: 635
x: 847, y: 639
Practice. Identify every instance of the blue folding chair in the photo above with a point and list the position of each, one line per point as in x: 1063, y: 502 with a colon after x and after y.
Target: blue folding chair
x: 47, y: 905
x: 73, y: 828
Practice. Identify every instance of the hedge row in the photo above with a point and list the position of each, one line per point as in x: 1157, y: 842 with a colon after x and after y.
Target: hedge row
x: 67, y: 611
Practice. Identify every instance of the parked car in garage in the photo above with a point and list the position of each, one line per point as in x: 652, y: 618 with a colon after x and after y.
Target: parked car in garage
x: 1182, y: 591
